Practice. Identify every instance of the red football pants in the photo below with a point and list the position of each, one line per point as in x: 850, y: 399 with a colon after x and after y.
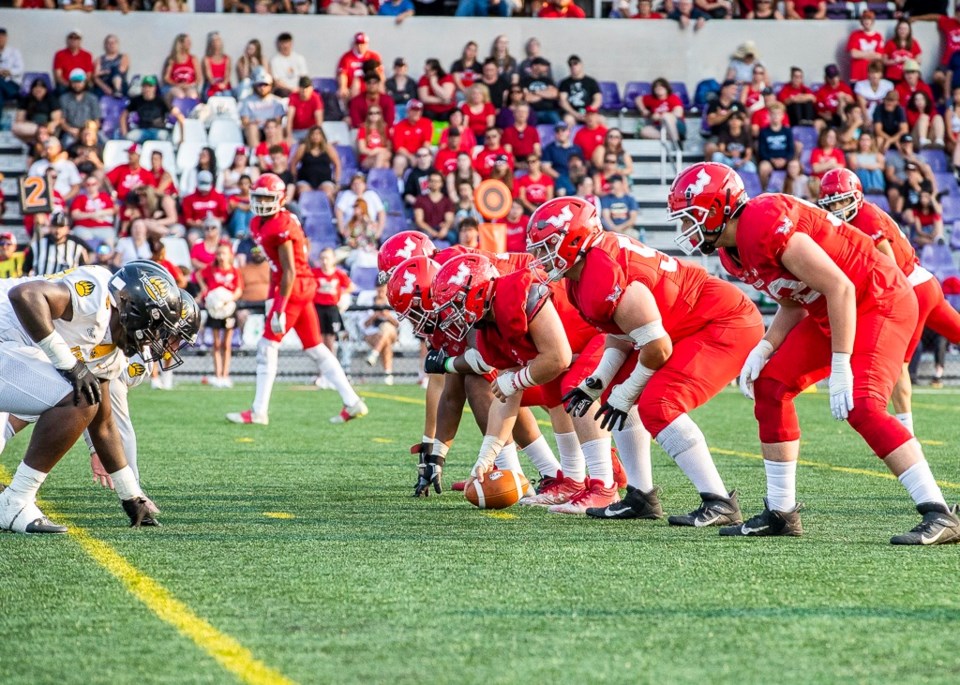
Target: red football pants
x: 883, y: 334
x: 549, y: 394
x: 935, y: 313
x: 301, y: 317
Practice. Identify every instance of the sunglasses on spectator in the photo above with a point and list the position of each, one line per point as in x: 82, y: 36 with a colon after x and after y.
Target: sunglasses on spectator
x: 422, y: 155
x: 615, y: 136
x: 374, y: 111
x: 5, y: 242
x: 610, y: 160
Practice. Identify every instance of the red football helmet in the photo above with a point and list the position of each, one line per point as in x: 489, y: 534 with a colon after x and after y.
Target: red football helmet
x: 841, y: 185
x: 703, y: 198
x: 400, y: 247
x: 268, y: 195
x: 408, y: 292
x: 462, y: 293
x: 560, y: 232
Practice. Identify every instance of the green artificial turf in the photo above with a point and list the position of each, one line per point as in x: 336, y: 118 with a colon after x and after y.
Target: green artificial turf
x: 365, y: 584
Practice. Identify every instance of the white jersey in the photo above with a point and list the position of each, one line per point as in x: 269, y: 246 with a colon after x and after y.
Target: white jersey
x: 117, y: 366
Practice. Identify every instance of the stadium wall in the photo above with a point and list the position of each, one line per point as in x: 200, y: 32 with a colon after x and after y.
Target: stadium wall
x: 615, y: 50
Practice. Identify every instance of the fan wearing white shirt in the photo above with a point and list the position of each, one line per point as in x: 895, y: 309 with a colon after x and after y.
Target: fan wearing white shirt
x: 11, y: 69
x: 135, y: 245
x: 286, y: 66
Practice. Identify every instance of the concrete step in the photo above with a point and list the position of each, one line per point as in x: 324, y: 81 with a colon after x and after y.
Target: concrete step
x: 650, y: 193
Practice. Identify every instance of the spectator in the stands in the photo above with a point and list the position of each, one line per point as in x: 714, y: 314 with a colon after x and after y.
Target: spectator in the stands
x: 240, y: 166
x: 204, y: 250
x: 206, y: 161
x: 466, y: 70
x: 765, y: 9
x: 799, y: 99
x: 503, y: 170
x: 576, y: 170
x: 39, y: 108
x: 238, y: 225
x: 663, y: 110
x: 686, y: 13
x: 618, y: 208
x: 865, y: 46
x: 560, y: 9
x: 468, y: 233
x: 400, y: 87
x: 373, y: 143
x: 717, y: 9
x: 93, y: 213
x: 350, y: 67
x: 204, y: 202
x: 56, y: 251
x: 437, y: 91
x: 247, y: 64
x: 950, y: 41
x: 890, y: 122
x: 356, y: 8
x: 464, y: 173
x: 347, y: 199
x: 872, y: 90
x: 578, y: 91
x: 645, y: 11
x: 411, y: 133
x: 71, y: 57
x: 464, y: 206
x: 485, y: 8
x: 303, y: 6
x: 541, y: 93
x: 796, y: 182
x: 280, y: 165
x: 67, y: 176
x: 500, y: 53
x: 446, y: 160
x: 743, y: 63
x: 853, y: 124
x: 130, y: 176
x: 825, y: 156
x: 400, y: 10
x: 287, y: 66
x: 492, y: 150
x: 478, y: 112
x: 259, y: 108
x: 535, y: 188
x: 833, y: 97
x: 806, y: 9
x: 507, y: 114
x: 433, y: 211
x: 592, y: 135
x: 468, y: 141
x: 760, y: 113
x: 925, y: 220
x: 317, y: 164
x: 78, y: 106
x: 952, y: 124
x: 912, y: 83
x: 900, y: 48
x: 152, y: 114
x: 216, y: 66
x: 11, y: 69
x: 112, y: 69
x: 11, y: 261
x: 304, y: 109
x: 751, y: 93
x: 165, y: 181
x: 916, y: 179
x: 415, y: 184
x: 373, y: 97
x: 718, y: 112
x: 868, y: 164
x: 557, y: 154
x: 586, y: 191
x: 522, y: 139
x: 495, y: 82
x: 181, y: 71
x: 134, y: 246
x: 612, y: 146
x: 516, y: 222
x: 735, y: 145
x: 87, y: 151
x: 775, y: 145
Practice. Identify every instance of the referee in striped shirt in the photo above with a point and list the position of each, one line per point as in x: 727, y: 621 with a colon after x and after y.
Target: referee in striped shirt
x: 56, y: 251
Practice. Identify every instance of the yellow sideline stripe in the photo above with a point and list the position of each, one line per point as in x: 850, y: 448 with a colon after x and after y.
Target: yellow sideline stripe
x: 731, y: 453
x: 225, y: 650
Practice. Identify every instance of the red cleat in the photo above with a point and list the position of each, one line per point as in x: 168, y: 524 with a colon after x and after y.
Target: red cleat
x: 595, y: 495
x: 619, y: 475
x: 459, y: 486
x: 558, y: 491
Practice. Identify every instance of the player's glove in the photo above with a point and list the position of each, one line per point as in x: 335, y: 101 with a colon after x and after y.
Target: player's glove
x: 756, y: 360
x: 435, y: 362
x: 278, y: 322
x: 614, y: 411
x: 475, y: 362
x: 841, y: 386
x: 422, y: 450
x: 100, y: 474
x: 578, y: 400
x: 85, y: 384
x: 431, y: 476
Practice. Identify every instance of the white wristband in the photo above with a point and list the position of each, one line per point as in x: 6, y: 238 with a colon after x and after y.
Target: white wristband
x: 635, y: 382
x: 610, y: 363
x: 647, y: 333
x: 57, y: 350
x: 489, y: 449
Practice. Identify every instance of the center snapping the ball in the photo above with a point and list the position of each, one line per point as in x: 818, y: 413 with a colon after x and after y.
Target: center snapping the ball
x: 499, y: 490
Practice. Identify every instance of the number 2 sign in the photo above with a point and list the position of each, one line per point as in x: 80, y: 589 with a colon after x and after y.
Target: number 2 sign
x: 36, y: 195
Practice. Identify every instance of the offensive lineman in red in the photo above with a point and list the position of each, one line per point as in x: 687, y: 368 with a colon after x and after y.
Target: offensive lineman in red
x: 692, y: 332
x: 845, y: 312
x: 292, y: 287
x: 841, y: 194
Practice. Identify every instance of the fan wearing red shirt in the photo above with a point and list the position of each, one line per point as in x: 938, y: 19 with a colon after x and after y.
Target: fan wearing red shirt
x: 468, y: 140
x: 826, y: 155
x: 516, y: 222
x: 93, y: 212
x: 833, y: 96
x: 491, y: 151
x: 350, y: 67
x: 478, y: 112
x: 846, y: 313
x: 798, y: 98
x: 332, y: 283
x: 131, y: 175
x: 305, y: 108
x: 437, y: 91
x: 535, y: 188
x: 412, y: 133
x: 561, y: 9
x: 591, y: 136
x: 70, y: 58
x: 911, y: 83
x: 898, y: 50
x: 522, y: 140
x: 645, y: 11
x: 361, y: 104
x: 204, y: 202
x: 446, y: 160
x: 864, y: 46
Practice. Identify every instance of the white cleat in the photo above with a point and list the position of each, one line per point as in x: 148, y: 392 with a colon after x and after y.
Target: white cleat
x: 357, y: 411
x: 248, y: 417
x: 20, y: 517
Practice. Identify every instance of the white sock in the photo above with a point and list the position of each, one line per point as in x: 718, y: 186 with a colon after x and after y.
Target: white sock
x: 907, y: 420
x: 542, y: 456
x: 599, y: 461
x: 684, y: 442
x: 268, y: 354
x: 166, y: 378
x: 25, y: 484
x: 330, y: 369
x: 781, y: 484
x: 633, y: 444
x: 125, y: 483
x: 571, y: 456
x: 919, y: 482
x: 6, y: 430
x: 508, y: 460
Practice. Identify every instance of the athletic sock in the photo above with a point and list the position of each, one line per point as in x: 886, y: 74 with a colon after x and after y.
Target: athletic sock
x: 919, y: 482
x: 268, y: 353
x: 542, y: 456
x: 571, y: 456
x: 906, y: 419
x: 25, y: 484
x: 6, y: 430
x: 684, y: 442
x: 330, y: 369
x: 507, y: 460
x: 633, y: 445
x: 125, y: 483
x: 599, y: 461
x: 781, y: 484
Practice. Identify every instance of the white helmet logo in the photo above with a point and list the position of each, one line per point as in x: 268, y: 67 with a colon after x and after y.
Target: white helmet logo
x: 463, y: 273
x: 407, y: 250
x: 409, y: 281
x: 697, y: 187
x: 562, y: 219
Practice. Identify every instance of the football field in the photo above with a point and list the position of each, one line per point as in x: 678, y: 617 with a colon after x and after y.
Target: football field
x: 294, y: 553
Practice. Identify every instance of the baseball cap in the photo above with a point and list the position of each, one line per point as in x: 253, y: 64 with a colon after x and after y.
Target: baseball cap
x: 414, y: 104
x: 204, y: 180
x: 501, y: 159
x: 134, y: 149
x: 360, y: 37
x: 399, y: 62
x: 911, y: 65
x: 75, y: 34
x: 7, y: 238
x: 149, y: 80
x: 592, y: 110
x: 78, y: 74
x: 241, y: 150
x: 767, y: 91
x: 263, y: 78
x: 560, y: 126
x: 574, y: 59
x: 540, y: 61
x: 831, y: 71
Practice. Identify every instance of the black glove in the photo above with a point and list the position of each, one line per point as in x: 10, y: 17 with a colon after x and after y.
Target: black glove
x: 85, y: 384
x: 432, y: 472
x: 422, y: 450
x: 611, y: 415
x: 578, y: 401
x: 435, y: 362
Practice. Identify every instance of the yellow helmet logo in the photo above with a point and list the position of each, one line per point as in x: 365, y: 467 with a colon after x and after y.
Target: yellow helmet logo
x: 135, y: 369
x: 83, y: 288
x: 155, y: 287
x: 184, y: 311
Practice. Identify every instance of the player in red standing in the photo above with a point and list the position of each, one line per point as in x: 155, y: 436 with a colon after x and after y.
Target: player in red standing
x: 841, y: 194
x: 332, y: 283
x: 292, y: 287
x: 692, y: 333
x: 845, y: 313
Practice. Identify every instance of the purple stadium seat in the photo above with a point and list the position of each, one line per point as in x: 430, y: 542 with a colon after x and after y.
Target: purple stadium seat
x: 314, y: 203
x: 938, y: 259
x: 611, y: 97
x: 325, y: 85
x: 935, y: 158
x: 882, y: 202
x: 632, y: 90
x: 839, y: 10
x: 186, y: 105
x: 348, y: 162
x: 777, y: 85
x: 881, y: 9
x: 680, y: 90
x: 321, y: 232
x: 395, y: 223
x: 546, y: 134
x: 955, y: 236
x: 805, y: 160
x: 30, y: 76
x: 364, y: 277
x: 110, y: 110
x: 775, y: 185
x: 946, y: 183
x: 751, y: 182
x: 807, y: 135
x: 951, y: 209
x: 382, y: 180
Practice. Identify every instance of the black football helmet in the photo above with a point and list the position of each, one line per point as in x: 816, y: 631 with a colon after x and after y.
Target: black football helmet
x: 149, y: 305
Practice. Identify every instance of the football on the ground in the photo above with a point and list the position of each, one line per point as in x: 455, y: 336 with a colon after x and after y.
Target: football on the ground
x: 499, y: 490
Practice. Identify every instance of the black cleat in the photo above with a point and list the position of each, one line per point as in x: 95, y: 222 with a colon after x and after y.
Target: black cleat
x: 769, y: 522
x: 714, y: 510
x: 636, y: 504
x: 139, y: 512
x: 44, y: 525
x: 940, y: 526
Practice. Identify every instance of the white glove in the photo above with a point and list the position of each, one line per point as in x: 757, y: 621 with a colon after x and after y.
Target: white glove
x: 476, y: 363
x: 278, y: 322
x: 756, y: 360
x: 841, y: 386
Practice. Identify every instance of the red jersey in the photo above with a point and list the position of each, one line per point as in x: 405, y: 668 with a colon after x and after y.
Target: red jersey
x: 950, y: 29
x: 215, y: 277
x: 66, y: 61
x: 906, y: 92
x: 521, y: 143
x: 477, y: 122
x: 330, y: 287
x: 124, y: 179
x: 273, y: 231
x: 828, y: 98
x: 877, y: 224
x: 437, y: 107
x: 788, y: 91
x: 767, y: 223
x: 761, y: 119
x: 305, y: 111
x: 446, y: 160
x: 819, y: 155
x: 351, y: 64
x: 617, y: 260
x: 84, y: 203
x: 571, y: 11
x: 866, y: 42
x: 665, y: 106
x: 412, y: 137
x: 197, y: 206
x: 894, y: 72
x: 517, y: 234
x: 537, y: 190
x: 590, y: 140
x: 484, y: 160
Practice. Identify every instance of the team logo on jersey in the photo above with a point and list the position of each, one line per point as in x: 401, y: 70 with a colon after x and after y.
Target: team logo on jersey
x: 83, y: 288
x: 560, y: 220
x: 136, y: 370
x: 698, y: 186
x: 409, y: 282
x: 785, y: 226
x: 406, y: 251
x: 615, y: 295
x: 460, y: 278
x: 155, y: 287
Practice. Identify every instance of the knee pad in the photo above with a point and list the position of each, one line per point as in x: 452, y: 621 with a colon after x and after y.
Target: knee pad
x: 679, y: 436
x: 268, y: 352
x: 884, y: 433
x: 774, y: 410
